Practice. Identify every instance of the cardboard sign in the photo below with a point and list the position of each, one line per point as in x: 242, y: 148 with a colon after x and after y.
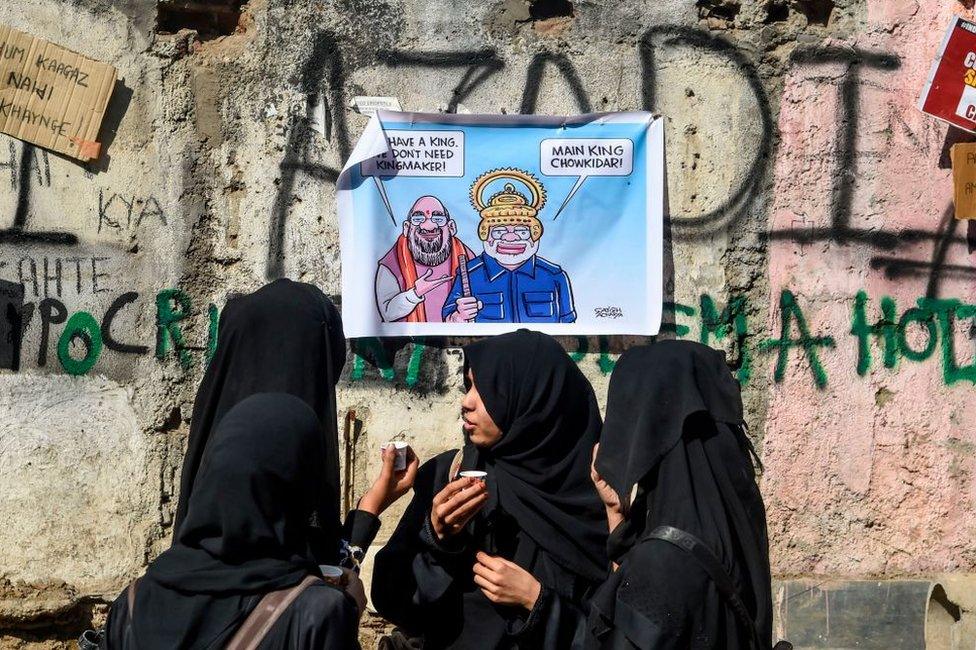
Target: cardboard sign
x: 51, y: 96
x: 950, y: 91
x: 964, y: 179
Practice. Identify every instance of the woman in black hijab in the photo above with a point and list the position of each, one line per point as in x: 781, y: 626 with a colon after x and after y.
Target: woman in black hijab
x: 245, y: 534
x: 506, y: 562
x: 674, y: 468
x: 286, y: 337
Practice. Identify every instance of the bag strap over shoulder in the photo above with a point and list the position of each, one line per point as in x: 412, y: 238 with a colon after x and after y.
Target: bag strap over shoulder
x: 260, y: 621
x: 713, y: 567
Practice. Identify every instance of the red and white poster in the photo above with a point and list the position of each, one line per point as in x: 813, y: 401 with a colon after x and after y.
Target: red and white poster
x: 950, y: 92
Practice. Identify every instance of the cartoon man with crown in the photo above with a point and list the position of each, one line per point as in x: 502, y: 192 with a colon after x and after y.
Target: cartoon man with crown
x: 509, y: 282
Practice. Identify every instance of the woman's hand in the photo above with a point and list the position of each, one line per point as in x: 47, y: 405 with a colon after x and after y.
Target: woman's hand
x: 456, y: 504
x: 609, y: 496
x: 390, y: 485
x: 505, y: 583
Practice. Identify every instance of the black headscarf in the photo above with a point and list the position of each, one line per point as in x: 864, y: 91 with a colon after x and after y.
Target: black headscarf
x: 539, y: 470
x: 286, y: 337
x: 653, y: 390
x: 674, y: 429
x: 245, y: 531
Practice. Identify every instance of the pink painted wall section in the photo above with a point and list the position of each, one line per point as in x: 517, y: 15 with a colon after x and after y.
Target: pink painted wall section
x: 870, y: 474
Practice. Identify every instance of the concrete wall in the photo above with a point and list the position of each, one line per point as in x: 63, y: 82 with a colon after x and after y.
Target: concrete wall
x: 807, y: 194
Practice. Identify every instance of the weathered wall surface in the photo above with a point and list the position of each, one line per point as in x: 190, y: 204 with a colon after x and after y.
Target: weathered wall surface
x: 811, y: 237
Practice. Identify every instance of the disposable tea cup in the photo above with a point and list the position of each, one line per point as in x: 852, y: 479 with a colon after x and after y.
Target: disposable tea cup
x: 400, y: 463
x: 332, y: 574
x: 470, y: 473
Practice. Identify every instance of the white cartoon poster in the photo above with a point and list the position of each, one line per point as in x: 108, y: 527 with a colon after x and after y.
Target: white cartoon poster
x: 480, y: 224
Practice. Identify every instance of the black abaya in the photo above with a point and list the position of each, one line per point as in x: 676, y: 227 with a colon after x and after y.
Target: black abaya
x: 674, y: 439
x: 543, y: 512
x: 539, y: 472
x: 284, y: 338
x: 245, y: 534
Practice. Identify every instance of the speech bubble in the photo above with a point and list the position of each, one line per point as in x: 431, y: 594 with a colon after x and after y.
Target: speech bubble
x: 419, y: 153
x: 416, y: 153
x: 585, y: 157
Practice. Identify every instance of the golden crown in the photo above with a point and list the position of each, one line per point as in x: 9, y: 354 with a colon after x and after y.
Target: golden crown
x: 508, y: 207
x: 509, y: 202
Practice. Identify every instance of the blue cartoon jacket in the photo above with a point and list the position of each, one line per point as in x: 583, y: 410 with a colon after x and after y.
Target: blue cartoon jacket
x: 536, y: 292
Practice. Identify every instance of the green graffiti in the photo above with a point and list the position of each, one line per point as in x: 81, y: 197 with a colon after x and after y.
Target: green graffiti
x: 890, y: 333
x: 172, y: 306
x: 675, y: 327
x: 936, y: 316
x: 81, y: 325
x: 413, y: 365
x: 604, y: 362
x: 379, y: 356
x: 213, y: 327
x: 733, y: 317
x: 582, y: 347
x: 884, y: 328
x: 790, y: 312
x: 947, y: 312
x: 358, y: 368
x: 924, y: 317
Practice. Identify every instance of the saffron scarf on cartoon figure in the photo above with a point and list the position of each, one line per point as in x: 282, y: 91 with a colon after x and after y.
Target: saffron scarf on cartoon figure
x: 285, y: 337
x: 409, y: 269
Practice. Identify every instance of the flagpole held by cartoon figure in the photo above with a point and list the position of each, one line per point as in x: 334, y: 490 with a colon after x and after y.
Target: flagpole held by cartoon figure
x: 465, y: 280
x: 466, y: 286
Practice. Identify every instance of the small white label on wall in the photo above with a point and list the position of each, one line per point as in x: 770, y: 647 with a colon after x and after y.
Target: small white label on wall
x: 317, y: 119
x: 369, y: 105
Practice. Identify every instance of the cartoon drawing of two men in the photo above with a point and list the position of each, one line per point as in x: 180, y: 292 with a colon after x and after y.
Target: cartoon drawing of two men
x: 418, y: 280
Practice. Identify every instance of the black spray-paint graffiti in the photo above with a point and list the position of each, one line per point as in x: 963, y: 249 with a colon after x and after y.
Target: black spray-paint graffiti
x: 740, y: 201
x: 325, y: 71
x: 122, y: 213
x: 848, y: 157
x: 11, y: 324
x: 476, y: 67
x: 31, y: 166
x: 55, y: 276
x: 324, y: 64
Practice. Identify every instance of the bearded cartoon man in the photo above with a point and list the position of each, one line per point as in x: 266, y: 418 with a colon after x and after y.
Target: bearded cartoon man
x: 509, y: 282
x: 413, y: 278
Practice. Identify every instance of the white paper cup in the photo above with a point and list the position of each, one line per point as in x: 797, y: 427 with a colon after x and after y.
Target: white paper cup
x: 331, y: 573
x: 400, y: 463
x: 481, y: 476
